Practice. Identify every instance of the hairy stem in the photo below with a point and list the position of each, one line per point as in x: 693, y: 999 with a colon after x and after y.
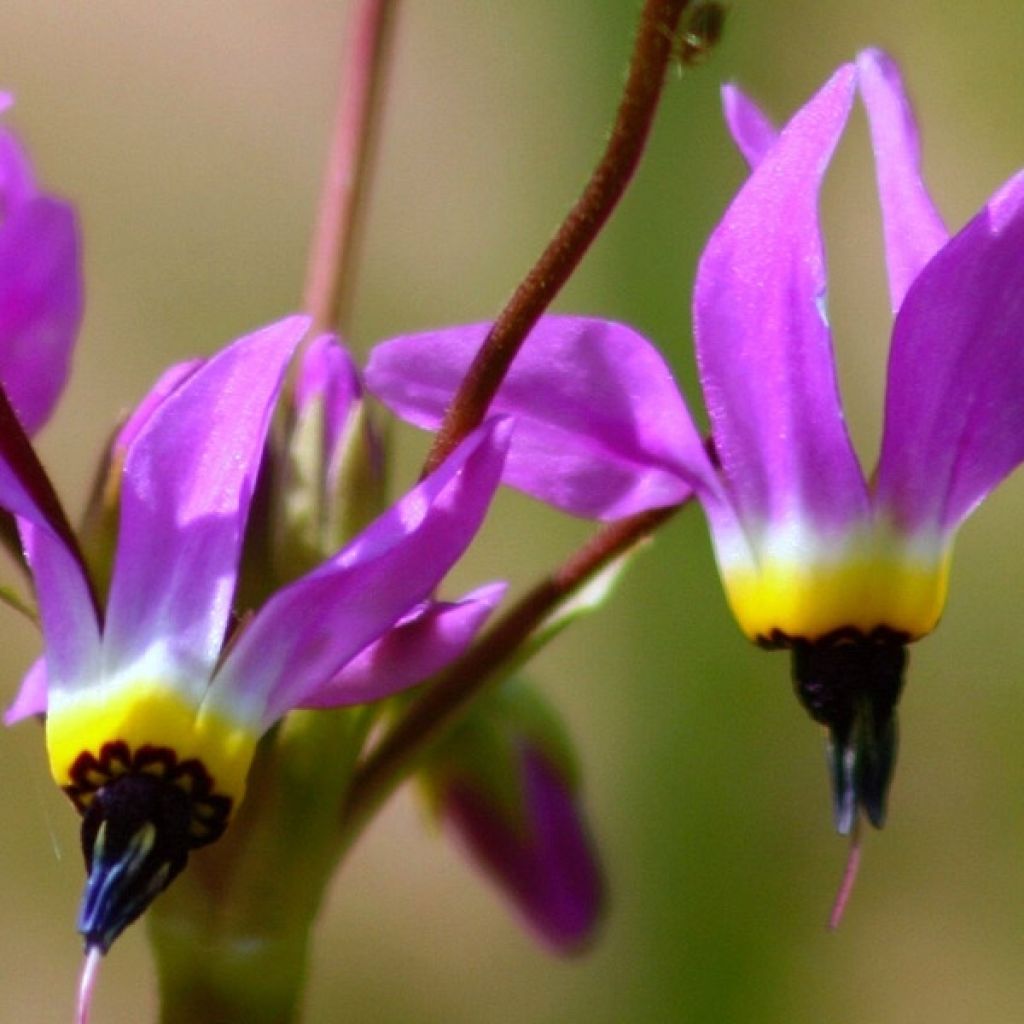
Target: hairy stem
x: 330, y: 274
x: 440, y: 706
x: 652, y: 52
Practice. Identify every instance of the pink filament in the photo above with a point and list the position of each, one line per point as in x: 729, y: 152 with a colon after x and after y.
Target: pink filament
x: 87, y: 982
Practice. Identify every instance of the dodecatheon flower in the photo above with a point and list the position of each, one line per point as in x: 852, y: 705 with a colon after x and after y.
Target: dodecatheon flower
x: 40, y: 286
x: 155, y: 706
x: 842, y: 570
x: 505, y: 784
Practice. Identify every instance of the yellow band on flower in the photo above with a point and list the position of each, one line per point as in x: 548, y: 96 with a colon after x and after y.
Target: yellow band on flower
x: 865, y: 585
x: 146, y: 714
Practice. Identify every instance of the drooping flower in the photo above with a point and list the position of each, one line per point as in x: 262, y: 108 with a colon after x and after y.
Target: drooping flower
x: 154, y: 703
x: 40, y: 286
x: 842, y: 569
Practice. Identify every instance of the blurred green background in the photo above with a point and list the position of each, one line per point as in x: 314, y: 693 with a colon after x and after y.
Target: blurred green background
x: 191, y: 135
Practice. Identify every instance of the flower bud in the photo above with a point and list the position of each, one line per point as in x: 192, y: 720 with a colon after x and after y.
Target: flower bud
x: 505, y: 786
x: 328, y: 478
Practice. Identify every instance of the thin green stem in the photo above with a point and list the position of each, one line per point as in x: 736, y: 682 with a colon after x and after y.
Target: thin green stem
x: 652, y: 53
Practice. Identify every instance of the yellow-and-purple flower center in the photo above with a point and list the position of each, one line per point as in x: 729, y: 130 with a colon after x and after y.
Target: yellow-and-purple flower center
x: 98, y: 735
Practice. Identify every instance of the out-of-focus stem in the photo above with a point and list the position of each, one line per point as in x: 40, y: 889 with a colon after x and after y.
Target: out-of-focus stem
x: 330, y: 274
x: 440, y: 706
x: 652, y: 53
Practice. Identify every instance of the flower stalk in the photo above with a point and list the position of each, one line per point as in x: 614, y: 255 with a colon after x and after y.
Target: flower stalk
x: 330, y: 277
x: 652, y: 53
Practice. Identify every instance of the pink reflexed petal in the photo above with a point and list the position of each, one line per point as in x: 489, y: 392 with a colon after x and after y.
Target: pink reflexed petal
x: 601, y: 429
x: 40, y: 305
x: 311, y: 629
x: 763, y: 344
x: 913, y: 229
x: 6, y: 101
x: 419, y: 645
x: 167, y: 383
x: 954, y: 417
x: 186, y: 489
x: 31, y: 698
x: 751, y: 130
x: 548, y: 866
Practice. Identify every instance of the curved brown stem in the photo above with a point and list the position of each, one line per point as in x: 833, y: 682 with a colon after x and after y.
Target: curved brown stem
x: 652, y: 53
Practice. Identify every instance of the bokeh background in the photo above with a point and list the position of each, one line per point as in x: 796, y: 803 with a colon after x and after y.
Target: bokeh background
x: 191, y: 135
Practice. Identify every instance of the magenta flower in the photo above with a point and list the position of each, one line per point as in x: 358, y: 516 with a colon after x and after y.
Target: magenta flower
x: 154, y: 707
x: 40, y: 286
x: 841, y: 568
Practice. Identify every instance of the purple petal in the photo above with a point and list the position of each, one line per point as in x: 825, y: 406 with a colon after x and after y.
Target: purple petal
x: 751, y: 130
x: 763, y: 345
x: 167, y: 383
x: 913, y: 229
x: 601, y: 429
x: 546, y: 865
x: 185, y: 495
x: 309, y: 630
x: 6, y: 101
x: 31, y: 699
x: 421, y: 644
x: 70, y: 628
x: 954, y: 417
x: 40, y: 305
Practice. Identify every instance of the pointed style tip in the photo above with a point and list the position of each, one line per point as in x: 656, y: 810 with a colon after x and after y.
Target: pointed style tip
x: 87, y: 982
x: 848, y: 881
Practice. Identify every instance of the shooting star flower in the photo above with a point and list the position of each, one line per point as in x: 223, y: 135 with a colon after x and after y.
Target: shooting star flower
x: 841, y: 569
x: 156, y: 700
